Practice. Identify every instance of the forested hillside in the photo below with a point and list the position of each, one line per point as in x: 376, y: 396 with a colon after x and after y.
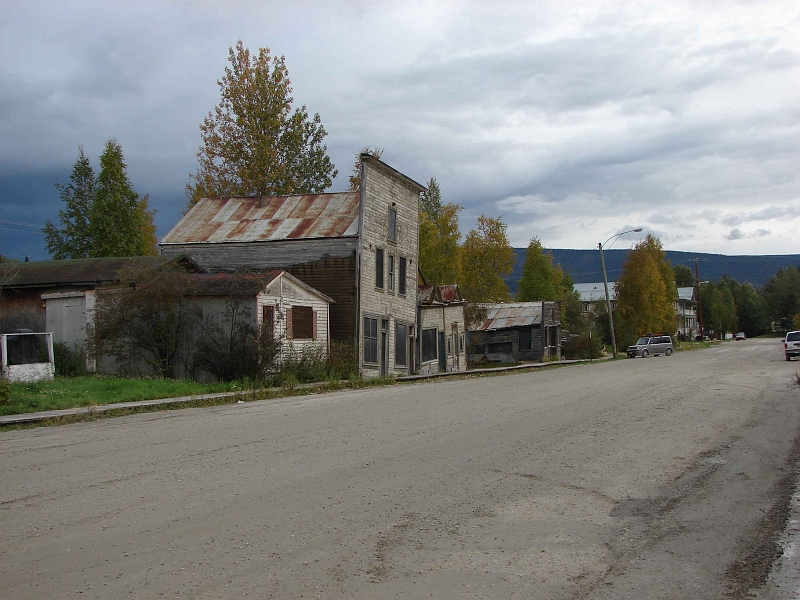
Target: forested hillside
x: 584, y: 265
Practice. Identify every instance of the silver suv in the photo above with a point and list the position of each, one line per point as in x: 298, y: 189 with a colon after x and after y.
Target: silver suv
x: 651, y: 345
x: 791, y: 344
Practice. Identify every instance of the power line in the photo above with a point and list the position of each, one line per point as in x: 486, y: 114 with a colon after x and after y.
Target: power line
x: 21, y: 230
x: 20, y: 223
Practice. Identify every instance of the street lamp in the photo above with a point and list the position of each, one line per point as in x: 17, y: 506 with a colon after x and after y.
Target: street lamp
x: 605, y: 284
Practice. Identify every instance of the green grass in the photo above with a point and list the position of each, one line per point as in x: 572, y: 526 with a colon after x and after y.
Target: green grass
x: 69, y: 392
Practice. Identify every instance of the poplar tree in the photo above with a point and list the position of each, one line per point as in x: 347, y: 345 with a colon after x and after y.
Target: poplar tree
x: 645, y: 292
x: 541, y: 279
x: 253, y: 143
x: 73, y: 239
x: 486, y: 258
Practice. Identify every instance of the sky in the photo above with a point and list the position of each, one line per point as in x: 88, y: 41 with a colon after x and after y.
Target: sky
x: 572, y: 121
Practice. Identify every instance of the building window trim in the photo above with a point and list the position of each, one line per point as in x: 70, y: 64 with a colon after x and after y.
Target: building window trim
x: 390, y: 273
x: 402, y: 275
x: 370, y: 340
x: 379, y: 268
x: 391, y: 233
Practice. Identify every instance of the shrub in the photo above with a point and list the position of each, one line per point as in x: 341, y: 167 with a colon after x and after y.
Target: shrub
x: 5, y: 390
x: 69, y: 362
x: 315, y: 364
x: 581, y: 346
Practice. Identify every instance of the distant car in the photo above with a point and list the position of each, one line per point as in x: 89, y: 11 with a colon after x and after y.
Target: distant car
x: 651, y: 345
x: 740, y: 336
x: 791, y: 344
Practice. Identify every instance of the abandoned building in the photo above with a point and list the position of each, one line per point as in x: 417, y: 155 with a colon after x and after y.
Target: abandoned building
x: 442, y: 327
x: 358, y: 248
x: 517, y: 331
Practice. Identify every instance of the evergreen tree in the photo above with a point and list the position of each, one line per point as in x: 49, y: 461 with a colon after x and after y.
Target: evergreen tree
x: 73, y: 239
x: 253, y: 143
x: 121, y: 223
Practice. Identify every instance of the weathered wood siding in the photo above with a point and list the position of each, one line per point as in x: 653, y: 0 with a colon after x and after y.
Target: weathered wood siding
x: 328, y: 265
x: 442, y: 318
x: 383, y: 190
x: 283, y: 295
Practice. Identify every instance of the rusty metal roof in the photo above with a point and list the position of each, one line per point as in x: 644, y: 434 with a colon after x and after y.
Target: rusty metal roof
x: 451, y: 293
x: 511, y: 314
x: 438, y: 294
x: 268, y: 218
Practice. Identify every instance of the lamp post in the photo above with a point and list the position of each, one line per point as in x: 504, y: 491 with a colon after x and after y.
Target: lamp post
x: 605, y: 284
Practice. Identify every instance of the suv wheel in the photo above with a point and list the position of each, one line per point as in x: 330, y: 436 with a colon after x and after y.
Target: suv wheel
x: 788, y: 357
x: 645, y: 354
x: 669, y: 352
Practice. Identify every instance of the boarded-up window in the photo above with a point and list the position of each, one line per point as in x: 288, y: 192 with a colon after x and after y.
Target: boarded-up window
x: 525, y: 339
x: 392, y: 225
x: 379, y: 268
x: 370, y: 340
x: 429, y: 345
x: 401, y: 277
x: 400, y: 345
x: 268, y: 318
x: 302, y: 319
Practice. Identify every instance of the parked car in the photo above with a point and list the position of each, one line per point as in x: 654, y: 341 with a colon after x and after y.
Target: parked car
x: 791, y: 344
x: 740, y: 336
x: 651, y: 345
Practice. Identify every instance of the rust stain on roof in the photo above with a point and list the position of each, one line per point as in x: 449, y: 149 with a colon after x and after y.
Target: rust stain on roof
x: 515, y: 314
x: 269, y: 218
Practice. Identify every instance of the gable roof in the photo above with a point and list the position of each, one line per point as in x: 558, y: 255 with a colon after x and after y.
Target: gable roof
x: 429, y: 294
x: 268, y: 218
x: 244, y: 286
x: 686, y: 293
x: 86, y: 271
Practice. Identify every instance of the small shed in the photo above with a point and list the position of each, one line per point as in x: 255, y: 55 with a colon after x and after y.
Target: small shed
x: 297, y: 314
x: 442, y: 328
x: 517, y: 331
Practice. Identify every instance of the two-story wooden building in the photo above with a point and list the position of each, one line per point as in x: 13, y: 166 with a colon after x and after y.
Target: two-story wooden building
x: 359, y: 248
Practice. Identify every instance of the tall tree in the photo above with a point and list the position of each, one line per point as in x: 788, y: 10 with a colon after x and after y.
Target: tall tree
x: 486, y: 258
x: 645, y: 292
x: 431, y: 200
x: 120, y: 221
x: 439, y: 250
x: 73, y: 239
x: 355, y: 178
x: 782, y: 296
x: 541, y: 279
x: 253, y: 143
x: 683, y: 276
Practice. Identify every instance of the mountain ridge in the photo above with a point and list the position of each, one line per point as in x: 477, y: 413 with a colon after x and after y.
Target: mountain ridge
x: 584, y: 265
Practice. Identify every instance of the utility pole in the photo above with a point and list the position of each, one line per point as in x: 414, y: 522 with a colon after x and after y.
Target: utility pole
x: 699, y: 304
x: 608, y: 302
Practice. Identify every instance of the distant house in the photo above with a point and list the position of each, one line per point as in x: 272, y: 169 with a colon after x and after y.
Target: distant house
x: 592, y: 293
x: 442, y: 328
x: 686, y: 313
x: 517, y: 331
x: 358, y: 248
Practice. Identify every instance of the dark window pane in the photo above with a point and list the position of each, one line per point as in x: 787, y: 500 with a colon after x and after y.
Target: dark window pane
x: 429, y: 345
x: 401, y: 277
x: 379, y: 268
x: 302, y: 322
x: 391, y: 273
x: 392, y: 225
x: 525, y: 339
x: 370, y: 340
x: 400, y: 345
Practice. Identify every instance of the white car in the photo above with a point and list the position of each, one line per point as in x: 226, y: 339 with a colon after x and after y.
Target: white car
x: 791, y: 344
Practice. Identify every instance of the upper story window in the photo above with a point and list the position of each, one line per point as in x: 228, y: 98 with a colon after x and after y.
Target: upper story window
x: 392, y: 225
x: 379, y: 268
x: 391, y: 273
x: 401, y: 277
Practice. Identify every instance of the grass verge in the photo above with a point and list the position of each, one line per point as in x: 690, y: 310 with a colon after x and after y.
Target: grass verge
x: 72, y: 392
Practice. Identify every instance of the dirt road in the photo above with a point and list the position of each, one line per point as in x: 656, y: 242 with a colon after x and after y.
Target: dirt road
x: 666, y: 477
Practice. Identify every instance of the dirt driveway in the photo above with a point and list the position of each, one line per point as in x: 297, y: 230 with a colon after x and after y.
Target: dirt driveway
x: 665, y: 477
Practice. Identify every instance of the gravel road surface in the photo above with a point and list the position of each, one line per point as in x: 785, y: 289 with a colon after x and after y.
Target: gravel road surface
x: 667, y: 477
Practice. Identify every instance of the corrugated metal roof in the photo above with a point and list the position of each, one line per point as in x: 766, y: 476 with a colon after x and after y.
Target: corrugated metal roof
x: 450, y: 293
x: 594, y: 292
x: 268, y: 218
x: 511, y: 314
x: 438, y: 294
